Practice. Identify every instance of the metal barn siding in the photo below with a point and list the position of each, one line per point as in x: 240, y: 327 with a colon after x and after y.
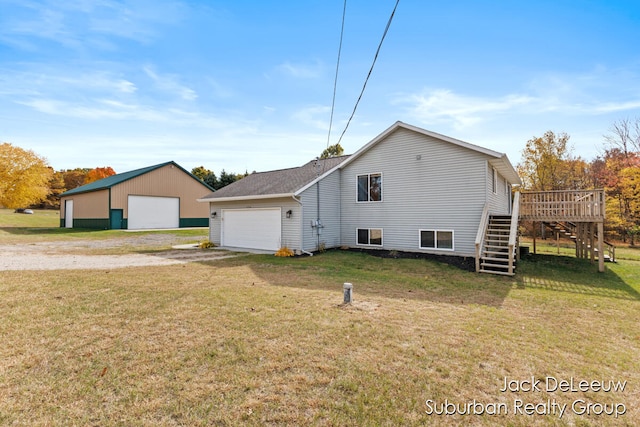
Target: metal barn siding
x: 329, y: 213
x: 167, y: 181
x: 427, y: 183
x: 90, y: 210
x: 290, y: 227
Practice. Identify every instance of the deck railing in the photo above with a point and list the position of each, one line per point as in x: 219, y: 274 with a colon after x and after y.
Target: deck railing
x: 563, y: 205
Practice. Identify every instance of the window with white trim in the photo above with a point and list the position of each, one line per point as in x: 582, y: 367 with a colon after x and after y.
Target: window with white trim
x: 369, y: 187
x: 436, y: 239
x: 369, y: 236
x: 494, y: 182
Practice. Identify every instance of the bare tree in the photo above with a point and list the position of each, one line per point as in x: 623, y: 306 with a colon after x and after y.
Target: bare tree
x: 624, y: 135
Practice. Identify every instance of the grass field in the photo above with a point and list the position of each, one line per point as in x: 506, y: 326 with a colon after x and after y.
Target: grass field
x: 39, y: 219
x: 260, y: 340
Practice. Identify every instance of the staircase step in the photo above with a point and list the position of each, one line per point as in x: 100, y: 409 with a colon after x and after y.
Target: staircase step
x: 494, y: 259
x: 505, y: 252
x: 502, y: 273
x: 492, y: 265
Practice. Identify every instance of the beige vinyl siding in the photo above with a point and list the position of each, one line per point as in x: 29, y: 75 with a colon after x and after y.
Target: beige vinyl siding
x: 88, y: 205
x: 427, y: 184
x: 329, y: 213
x: 167, y: 181
x: 290, y: 233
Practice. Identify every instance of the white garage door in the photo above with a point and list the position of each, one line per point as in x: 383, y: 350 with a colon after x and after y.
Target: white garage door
x: 147, y: 212
x: 252, y: 228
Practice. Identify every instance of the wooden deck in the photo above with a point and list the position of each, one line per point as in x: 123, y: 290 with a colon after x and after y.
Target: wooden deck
x: 570, y: 205
x: 585, y: 209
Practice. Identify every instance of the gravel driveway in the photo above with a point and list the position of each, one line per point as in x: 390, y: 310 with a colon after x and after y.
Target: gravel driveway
x: 67, y: 255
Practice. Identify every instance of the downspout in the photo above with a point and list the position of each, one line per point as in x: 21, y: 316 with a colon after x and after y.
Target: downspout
x: 301, y: 226
x: 318, y: 214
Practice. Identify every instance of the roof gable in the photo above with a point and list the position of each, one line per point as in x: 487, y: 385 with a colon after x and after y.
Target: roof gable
x: 497, y: 160
x: 116, y: 179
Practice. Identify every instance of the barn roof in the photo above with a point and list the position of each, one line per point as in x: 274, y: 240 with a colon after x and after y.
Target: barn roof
x: 112, y: 180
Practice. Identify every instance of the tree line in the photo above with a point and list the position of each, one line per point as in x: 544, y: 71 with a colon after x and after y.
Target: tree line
x: 27, y: 180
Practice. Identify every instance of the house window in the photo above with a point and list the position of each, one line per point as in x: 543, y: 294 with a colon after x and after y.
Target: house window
x: 369, y: 236
x: 494, y: 182
x: 436, y: 239
x: 370, y: 187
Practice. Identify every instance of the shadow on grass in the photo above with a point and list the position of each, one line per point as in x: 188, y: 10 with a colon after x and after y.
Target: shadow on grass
x: 371, y: 276
x: 570, y: 274
x: 32, y: 231
x: 429, y: 280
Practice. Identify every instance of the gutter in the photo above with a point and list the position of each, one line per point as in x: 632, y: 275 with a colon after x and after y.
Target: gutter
x: 251, y: 197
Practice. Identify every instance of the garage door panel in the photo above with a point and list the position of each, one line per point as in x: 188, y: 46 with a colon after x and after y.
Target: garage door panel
x: 252, y: 228
x: 147, y: 212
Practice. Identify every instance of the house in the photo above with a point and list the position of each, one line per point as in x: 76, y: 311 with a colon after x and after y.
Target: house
x: 159, y: 196
x: 409, y: 189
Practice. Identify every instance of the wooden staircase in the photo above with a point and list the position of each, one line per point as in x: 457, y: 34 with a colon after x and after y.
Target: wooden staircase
x: 495, y: 257
x: 568, y: 230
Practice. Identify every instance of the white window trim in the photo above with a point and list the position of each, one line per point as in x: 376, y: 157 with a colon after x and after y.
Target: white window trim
x: 494, y: 183
x: 436, y: 231
x: 368, y: 180
x: 369, y: 230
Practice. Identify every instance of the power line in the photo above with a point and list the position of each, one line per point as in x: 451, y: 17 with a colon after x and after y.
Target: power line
x: 335, y: 81
x: 370, y: 70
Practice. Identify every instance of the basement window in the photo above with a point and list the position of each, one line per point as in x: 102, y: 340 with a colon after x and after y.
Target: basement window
x: 369, y: 236
x: 436, y: 239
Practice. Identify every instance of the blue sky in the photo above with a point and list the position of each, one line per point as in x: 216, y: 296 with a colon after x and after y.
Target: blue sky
x: 247, y: 85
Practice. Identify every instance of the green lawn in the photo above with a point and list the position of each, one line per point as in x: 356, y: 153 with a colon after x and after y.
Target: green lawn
x: 259, y: 340
x: 39, y: 219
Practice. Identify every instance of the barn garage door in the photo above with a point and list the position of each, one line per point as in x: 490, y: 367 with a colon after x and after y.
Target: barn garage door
x: 147, y: 212
x: 251, y: 228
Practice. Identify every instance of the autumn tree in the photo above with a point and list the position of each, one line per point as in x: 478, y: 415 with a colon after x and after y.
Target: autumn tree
x: 74, y: 177
x: 56, y: 187
x: 332, y: 151
x: 24, y: 177
x: 545, y: 161
x: 98, y: 173
x: 205, y: 175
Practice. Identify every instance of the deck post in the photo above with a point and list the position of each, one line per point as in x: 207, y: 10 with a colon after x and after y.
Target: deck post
x: 592, y: 241
x: 535, y: 224
x: 600, y: 247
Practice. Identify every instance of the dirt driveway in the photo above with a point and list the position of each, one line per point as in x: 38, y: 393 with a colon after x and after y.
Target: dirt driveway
x: 68, y: 255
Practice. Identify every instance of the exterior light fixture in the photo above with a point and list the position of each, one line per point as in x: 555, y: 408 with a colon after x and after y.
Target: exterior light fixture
x: 289, y: 213
x: 214, y: 214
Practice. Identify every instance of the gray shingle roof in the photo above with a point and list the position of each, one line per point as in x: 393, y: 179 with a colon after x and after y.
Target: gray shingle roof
x: 283, y: 181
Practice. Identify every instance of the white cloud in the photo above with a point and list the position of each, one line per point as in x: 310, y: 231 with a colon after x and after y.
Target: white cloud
x: 75, y: 24
x: 170, y: 84
x: 302, y: 71
x: 587, y: 94
x: 309, y: 116
x: 442, y: 105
